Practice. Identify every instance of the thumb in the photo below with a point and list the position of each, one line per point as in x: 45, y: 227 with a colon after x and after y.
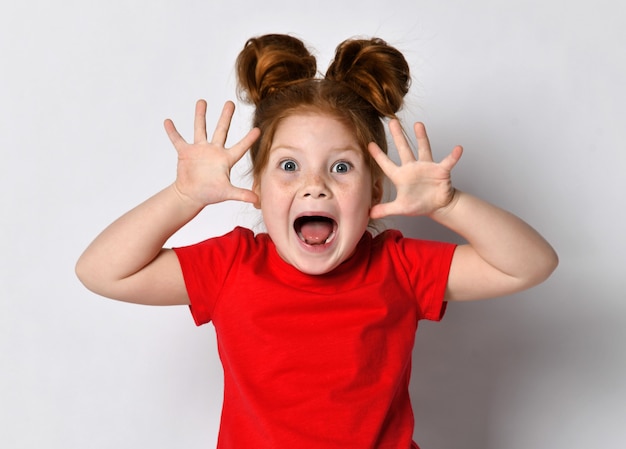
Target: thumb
x: 245, y: 195
x: 382, y: 210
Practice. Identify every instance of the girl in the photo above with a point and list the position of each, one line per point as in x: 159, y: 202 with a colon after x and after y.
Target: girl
x: 315, y: 318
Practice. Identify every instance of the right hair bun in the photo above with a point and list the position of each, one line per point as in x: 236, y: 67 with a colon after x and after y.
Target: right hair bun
x: 271, y: 62
x: 374, y: 70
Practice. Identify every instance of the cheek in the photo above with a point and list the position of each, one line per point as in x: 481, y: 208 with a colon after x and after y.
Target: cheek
x: 357, y: 198
x: 365, y: 188
x: 274, y: 195
x: 273, y: 186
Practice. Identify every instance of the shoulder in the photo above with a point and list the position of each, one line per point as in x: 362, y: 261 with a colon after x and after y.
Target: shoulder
x: 239, y: 235
x: 412, y: 252
x: 394, y: 236
x: 222, y: 249
x: 386, y: 236
x: 391, y: 238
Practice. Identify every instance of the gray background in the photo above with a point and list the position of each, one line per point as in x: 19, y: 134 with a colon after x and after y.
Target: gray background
x: 534, y: 90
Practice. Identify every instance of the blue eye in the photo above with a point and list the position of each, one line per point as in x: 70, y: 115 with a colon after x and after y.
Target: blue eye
x: 341, y: 167
x: 288, y: 165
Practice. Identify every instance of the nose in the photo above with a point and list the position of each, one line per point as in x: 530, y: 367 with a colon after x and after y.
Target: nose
x: 316, y: 187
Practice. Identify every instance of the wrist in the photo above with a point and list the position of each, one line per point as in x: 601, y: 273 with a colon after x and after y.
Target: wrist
x: 185, y: 200
x: 442, y: 212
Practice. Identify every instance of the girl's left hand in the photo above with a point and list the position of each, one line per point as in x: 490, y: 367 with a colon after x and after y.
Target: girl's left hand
x: 423, y: 186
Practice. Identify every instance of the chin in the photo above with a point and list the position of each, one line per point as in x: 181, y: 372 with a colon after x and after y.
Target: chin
x: 315, y: 269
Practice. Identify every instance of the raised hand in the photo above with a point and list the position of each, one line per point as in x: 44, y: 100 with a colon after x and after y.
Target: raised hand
x: 423, y: 186
x: 203, y: 173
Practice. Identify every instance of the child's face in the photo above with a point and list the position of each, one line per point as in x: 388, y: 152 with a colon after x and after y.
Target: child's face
x: 316, y: 192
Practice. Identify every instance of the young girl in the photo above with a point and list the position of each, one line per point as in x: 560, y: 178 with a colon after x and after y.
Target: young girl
x: 316, y: 318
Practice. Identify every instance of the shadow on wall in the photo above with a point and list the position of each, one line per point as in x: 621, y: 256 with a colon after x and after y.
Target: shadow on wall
x: 537, y: 369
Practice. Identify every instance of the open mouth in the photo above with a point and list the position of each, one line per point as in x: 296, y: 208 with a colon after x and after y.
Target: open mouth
x: 315, y: 229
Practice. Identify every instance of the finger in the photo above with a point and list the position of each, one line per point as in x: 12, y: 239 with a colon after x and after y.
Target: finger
x: 424, y: 152
x: 173, y: 133
x: 451, y: 159
x: 223, y: 124
x: 199, y: 122
x: 383, y: 161
x: 383, y: 210
x: 245, y: 195
x: 402, y: 145
x: 238, y: 150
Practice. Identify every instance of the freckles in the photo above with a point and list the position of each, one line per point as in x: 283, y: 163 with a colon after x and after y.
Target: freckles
x: 274, y: 181
x: 282, y: 186
x: 276, y: 188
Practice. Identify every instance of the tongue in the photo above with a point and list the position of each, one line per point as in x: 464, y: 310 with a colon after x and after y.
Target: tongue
x: 316, y: 232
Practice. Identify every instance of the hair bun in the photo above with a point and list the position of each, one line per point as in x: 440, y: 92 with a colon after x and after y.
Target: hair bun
x: 374, y: 70
x: 272, y: 62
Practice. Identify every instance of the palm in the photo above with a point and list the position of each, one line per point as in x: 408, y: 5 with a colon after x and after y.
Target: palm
x: 203, y: 173
x: 422, y: 185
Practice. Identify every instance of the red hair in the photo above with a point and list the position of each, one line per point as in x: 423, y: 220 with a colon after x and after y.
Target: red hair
x: 366, y: 82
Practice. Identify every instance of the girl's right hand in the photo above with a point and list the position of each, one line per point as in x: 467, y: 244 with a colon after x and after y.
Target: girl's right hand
x: 203, y: 172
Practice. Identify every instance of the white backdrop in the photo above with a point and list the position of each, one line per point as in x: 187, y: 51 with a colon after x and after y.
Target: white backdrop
x: 534, y: 90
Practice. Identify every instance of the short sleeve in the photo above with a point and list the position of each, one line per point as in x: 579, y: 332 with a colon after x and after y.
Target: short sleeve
x: 427, y: 264
x: 205, y: 267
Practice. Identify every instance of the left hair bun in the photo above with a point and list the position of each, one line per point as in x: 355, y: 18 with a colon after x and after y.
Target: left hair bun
x: 271, y: 62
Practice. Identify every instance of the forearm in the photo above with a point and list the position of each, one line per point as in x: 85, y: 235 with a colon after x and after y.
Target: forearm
x: 134, y: 240
x: 501, y: 240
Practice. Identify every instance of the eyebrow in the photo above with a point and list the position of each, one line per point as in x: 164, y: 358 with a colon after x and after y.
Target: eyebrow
x: 348, y: 149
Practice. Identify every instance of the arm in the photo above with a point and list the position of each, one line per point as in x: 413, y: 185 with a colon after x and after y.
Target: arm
x: 503, y: 254
x: 127, y: 260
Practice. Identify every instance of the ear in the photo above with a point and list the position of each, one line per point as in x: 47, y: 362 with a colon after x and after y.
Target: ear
x: 377, y: 191
x: 257, y: 189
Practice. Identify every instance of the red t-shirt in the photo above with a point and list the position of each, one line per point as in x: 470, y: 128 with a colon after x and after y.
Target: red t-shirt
x: 316, y: 361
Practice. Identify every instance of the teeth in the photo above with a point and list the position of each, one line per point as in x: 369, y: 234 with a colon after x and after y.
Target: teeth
x: 330, y: 238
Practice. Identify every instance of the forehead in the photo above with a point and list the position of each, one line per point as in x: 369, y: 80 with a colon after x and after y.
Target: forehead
x: 306, y: 131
